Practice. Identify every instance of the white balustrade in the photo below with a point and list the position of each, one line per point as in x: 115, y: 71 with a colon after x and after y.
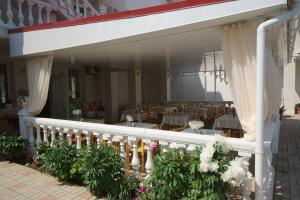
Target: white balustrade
x: 38, y: 135
x: 130, y: 137
x: 40, y: 17
x: 30, y: 15
x: 20, y: 13
x: 9, y: 14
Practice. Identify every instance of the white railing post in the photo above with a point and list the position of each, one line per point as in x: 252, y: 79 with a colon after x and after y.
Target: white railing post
x: 87, y: 137
x: 122, y: 148
x: 45, y: 134
x: 52, y: 132
x: 40, y: 17
x: 31, y: 137
x: 22, y: 123
x: 69, y: 136
x: 38, y: 135
x: 60, y: 132
x: 77, y: 10
x: 10, y: 14
x: 20, y: 13
x: 135, y: 163
x: 30, y: 16
x: 149, y: 162
x: 99, y: 138
x: 78, y: 138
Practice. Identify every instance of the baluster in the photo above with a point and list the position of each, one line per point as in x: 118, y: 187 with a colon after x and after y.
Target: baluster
x: 165, y: 146
x: 45, y: 133
x: 122, y: 148
x: 30, y: 17
x: 31, y: 136
x: 9, y: 14
x: 1, y: 21
x: 20, y: 13
x: 48, y: 12
x: 38, y: 135
x: 69, y: 136
x: 135, y: 163
x: 52, y: 131
x: 149, y: 162
x: 77, y: 9
x: 40, y: 17
x: 78, y: 138
x: 61, y: 133
x: 99, y: 138
x: 85, y: 10
x: 88, y: 137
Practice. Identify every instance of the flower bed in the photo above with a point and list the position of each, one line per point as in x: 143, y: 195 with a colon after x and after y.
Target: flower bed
x: 208, y: 173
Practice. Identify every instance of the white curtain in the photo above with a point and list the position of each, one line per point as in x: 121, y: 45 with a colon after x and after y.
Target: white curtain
x: 239, y: 57
x: 38, y: 74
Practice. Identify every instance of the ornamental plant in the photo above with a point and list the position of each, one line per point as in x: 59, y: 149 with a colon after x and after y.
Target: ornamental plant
x: 58, y: 160
x: 206, y: 174
x: 13, y: 148
x: 101, y: 168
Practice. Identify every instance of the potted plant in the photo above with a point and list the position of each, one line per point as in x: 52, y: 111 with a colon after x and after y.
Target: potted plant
x: 297, y: 109
x: 22, y: 96
x: 281, y: 111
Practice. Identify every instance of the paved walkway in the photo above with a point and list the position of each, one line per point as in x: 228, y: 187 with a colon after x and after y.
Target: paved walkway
x: 287, y: 162
x: 18, y: 182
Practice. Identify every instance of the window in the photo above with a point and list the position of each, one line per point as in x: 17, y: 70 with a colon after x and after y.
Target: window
x: 3, y: 84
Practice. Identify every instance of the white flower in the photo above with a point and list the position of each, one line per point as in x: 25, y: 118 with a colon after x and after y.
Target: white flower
x: 196, y: 124
x: 204, y: 167
x: 214, y: 167
x: 129, y: 118
x: 76, y: 112
x: 237, y: 172
x: 207, y: 154
x: 220, y: 140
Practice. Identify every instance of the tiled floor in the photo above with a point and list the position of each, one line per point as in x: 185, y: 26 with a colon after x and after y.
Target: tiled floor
x: 18, y: 182
x: 287, y: 162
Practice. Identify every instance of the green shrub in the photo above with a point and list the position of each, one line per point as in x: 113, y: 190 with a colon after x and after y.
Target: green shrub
x: 13, y: 148
x: 58, y: 160
x: 169, y: 179
x: 126, y: 189
x: 41, y: 152
x: 101, y: 168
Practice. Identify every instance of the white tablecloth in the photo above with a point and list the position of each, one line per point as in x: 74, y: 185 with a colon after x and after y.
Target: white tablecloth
x: 133, y: 113
x: 227, y: 121
x: 180, y: 119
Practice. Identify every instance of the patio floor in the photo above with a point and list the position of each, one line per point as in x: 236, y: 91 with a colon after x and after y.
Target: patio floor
x: 287, y: 161
x: 19, y: 183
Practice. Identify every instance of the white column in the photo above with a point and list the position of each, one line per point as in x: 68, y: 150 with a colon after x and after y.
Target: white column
x: 69, y: 136
x: 30, y: 17
x: 38, y: 135
x: 40, y: 17
x: 138, y: 76
x: 168, y: 75
x: 78, y: 138
x: 45, y: 134
x: 9, y: 14
x: 99, y: 138
x: 31, y: 137
x: 122, y: 148
x: 22, y: 123
x: 52, y: 132
x: 20, y: 13
x: 135, y: 163
x: 149, y: 162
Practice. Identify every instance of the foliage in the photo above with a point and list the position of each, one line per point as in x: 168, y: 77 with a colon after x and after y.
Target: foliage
x: 205, y: 174
x: 13, y: 148
x: 169, y: 179
x: 41, y: 153
x: 21, y: 95
x: 57, y: 161
x: 101, y: 168
x: 126, y: 189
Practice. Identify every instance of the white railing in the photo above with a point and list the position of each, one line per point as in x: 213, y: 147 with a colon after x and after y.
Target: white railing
x: 78, y: 8
x: 14, y: 16
x: 40, y: 130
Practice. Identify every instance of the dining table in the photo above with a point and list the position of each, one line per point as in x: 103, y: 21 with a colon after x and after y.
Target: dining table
x: 178, y: 119
x: 228, y: 121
